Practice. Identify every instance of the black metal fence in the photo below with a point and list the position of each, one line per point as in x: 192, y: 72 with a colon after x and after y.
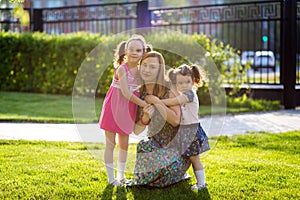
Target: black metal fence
x: 100, y: 18
x: 261, y: 27
x: 245, y: 26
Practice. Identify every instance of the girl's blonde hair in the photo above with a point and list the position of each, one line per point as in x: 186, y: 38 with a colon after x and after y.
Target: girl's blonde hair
x: 161, y: 84
x: 120, y: 56
x: 185, y: 70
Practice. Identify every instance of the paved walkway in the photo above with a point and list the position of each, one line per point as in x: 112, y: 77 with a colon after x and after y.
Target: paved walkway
x: 276, y: 121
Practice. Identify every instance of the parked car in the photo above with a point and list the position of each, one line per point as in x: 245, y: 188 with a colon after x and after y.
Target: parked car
x: 247, y: 57
x: 264, y: 59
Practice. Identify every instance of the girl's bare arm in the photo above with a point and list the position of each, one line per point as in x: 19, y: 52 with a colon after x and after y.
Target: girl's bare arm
x: 172, y: 114
x: 121, y: 73
x: 177, y: 100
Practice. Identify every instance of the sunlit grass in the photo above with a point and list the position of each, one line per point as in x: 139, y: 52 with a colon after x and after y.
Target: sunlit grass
x: 29, y: 107
x: 252, y: 166
x: 45, y: 108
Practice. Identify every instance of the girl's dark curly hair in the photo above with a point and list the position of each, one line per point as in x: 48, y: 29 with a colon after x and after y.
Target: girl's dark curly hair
x: 186, y: 70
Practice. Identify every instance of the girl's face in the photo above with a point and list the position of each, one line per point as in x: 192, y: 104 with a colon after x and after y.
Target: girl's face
x: 184, y: 83
x: 149, y: 69
x: 134, y: 51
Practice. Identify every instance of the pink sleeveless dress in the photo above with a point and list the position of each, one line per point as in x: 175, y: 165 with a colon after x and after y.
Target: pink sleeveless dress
x: 118, y: 113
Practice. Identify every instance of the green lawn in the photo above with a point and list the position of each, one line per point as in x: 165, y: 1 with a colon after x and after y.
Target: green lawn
x: 58, y: 108
x: 252, y: 166
x: 15, y: 106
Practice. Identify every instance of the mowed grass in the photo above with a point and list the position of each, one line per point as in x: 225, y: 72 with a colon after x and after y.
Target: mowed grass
x: 30, y: 107
x: 15, y: 106
x: 252, y: 166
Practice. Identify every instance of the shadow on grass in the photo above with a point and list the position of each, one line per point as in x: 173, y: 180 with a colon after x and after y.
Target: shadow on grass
x: 121, y: 193
x: 107, y: 192
x: 177, y: 191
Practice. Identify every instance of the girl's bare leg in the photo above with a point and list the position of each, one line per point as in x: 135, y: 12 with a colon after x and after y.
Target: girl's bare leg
x: 123, y: 141
x: 109, y: 155
x: 196, y: 163
x: 198, y: 171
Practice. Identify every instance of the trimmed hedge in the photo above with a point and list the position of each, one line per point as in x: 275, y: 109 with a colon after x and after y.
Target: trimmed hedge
x: 41, y: 63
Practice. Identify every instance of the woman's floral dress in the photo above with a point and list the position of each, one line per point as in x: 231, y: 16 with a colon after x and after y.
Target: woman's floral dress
x: 158, y: 162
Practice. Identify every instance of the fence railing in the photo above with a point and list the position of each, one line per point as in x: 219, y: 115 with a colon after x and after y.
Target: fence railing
x: 261, y: 27
x: 245, y: 26
x: 105, y: 18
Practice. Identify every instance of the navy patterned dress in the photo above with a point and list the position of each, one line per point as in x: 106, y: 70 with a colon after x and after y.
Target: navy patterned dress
x: 191, y: 139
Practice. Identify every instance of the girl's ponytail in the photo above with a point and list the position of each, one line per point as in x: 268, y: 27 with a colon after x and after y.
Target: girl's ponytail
x: 119, y: 54
x: 198, y: 78
x: 172, y: 76
x: 148, y: 48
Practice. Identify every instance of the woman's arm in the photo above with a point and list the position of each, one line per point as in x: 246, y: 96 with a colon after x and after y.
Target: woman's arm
x: 121, y: 73
x: 144, y: 120
x: 172, y: 114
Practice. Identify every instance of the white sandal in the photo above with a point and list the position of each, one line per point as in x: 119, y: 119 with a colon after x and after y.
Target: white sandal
x: 198, y: 187
x: 125, y: 181
x: 115, y: 182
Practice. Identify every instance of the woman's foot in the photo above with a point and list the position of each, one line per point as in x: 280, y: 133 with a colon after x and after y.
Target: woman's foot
x: 199, y: 187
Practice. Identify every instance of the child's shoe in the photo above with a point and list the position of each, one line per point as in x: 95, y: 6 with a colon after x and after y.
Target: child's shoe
x: 115, y: 182
x: 199, y: 187
x: 125, y: 181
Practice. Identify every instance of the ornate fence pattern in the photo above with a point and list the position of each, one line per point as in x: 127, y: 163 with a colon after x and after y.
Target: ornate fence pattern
x: 98, y: 19
x: 242, y: 25
x: 101, y: 18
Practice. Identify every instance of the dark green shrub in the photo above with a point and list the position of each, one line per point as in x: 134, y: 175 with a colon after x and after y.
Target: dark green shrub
x: 41, y: 63
x: 37, y: 62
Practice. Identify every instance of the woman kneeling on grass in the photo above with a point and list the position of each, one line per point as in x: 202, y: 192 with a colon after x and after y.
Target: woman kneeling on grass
x: 157, y: 163
x: 191, y: 140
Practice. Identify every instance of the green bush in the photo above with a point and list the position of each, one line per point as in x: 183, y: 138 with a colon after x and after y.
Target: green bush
x: 41, y: 63
x: 37, y: 62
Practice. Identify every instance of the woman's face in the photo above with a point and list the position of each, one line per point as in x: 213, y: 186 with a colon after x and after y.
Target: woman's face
x: 149, y: 69
x: 134, y: 51
x: 184, y: 83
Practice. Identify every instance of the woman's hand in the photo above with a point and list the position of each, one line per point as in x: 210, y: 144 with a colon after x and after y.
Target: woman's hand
x: 148, y: 111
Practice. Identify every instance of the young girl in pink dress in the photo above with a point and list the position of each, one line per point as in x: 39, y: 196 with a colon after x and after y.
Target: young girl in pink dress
x: 120, y: 105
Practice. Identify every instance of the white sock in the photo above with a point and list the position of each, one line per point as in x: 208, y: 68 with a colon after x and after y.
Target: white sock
x: 200, y: 177
x: 110, y: 172
x: 120, y: 170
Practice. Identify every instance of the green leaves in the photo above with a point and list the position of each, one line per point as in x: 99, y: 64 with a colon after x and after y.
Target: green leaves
x: 22, y: 14
x: 37, y: 62
x: 42, y: 63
